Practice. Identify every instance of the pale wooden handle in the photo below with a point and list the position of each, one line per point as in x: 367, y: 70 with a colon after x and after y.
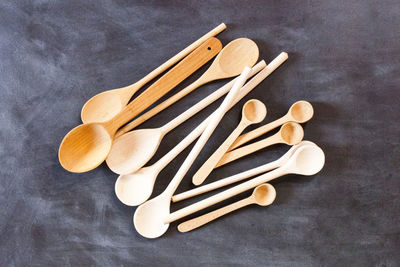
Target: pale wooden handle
x: 202, y: 204
x: 212, y: 124
x: 200, y: 176
x: 181, y: 71
x: 246, y: 150
x: 213, y: 215
x: 226, y: 181
x: 172, y: 61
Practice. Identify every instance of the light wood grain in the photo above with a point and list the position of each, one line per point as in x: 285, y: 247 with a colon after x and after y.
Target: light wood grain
x: 104, y: 106
x: 263, y: 195
x: 229, y: 62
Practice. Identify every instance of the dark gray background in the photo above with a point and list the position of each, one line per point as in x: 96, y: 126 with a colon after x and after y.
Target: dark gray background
x: 343, y: 58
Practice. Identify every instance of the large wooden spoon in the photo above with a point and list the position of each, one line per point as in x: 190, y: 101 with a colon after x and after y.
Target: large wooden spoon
x: 104, y: 106
x: 229, y: 62
x: 86, y: 146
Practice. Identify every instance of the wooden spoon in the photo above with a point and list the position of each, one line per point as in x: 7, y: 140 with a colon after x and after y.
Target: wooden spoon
x: 263, y: 195
x: 104, y: 106
x: 300, y: 112
x: 240, y: 176
x: 291, y: 133
x: 152, y: 218
x: 87, y: 145
x: 253, y: 111
x: 229, y: 62
x: 136, y: 188
x: 134, y: 149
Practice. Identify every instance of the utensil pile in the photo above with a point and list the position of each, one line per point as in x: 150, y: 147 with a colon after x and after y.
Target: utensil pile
x: 108, y: 120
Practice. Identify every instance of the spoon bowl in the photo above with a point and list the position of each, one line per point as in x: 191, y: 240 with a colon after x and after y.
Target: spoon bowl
x: 132, y: 150
x: 264, y: 194
x: 307, y: 160
x: 291, y: 133
x: 134, y: 189
x: 254, y: 111
x: 301, y: 111
x: 92, y: 140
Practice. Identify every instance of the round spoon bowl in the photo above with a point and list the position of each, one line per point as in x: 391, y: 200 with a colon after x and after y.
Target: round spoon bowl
x: 149, y: 217
x: 132, y: 150
x: 240, y: 46
x: 84, y: 148
x: 309, y: 160
x: 292, y: 133
x: 134, y: 189
x: 264, y: 194
x: 301, y: 111
x: 104, y: 105
x: 254, y: 111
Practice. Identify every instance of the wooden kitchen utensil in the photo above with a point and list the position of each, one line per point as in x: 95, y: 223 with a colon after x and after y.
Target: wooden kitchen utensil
x: 240, y: 176
x: 104, y: 106
x: 134, y: 149
x: 135, y: 188
x: 263, y: 195
x: 291, y: 133
x: 229, y: 62
x: 86, y: 146
x: 300, y: 112
x: 254, y: 111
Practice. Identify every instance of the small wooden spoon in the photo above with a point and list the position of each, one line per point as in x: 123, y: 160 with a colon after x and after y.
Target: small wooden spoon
x: 291, y: 133
x: 300, y: 112
x: 263, y: 195
x: 229, y: 62
x: 253, y: 111
x: 134, y: 149
x: 104, y: 106
x: 86, y: 146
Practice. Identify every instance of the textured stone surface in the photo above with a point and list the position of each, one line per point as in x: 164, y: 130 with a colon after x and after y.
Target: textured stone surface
x: 344, y: 59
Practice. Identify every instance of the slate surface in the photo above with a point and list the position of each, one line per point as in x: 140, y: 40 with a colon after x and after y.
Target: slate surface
x: 344, y: 59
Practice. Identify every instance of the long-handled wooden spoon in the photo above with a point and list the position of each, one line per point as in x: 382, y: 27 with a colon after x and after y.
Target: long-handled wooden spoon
x: 300, y: 112
x: 162, y: 202
x: 104, y: 106
x: 229, y: 62
x: 152, y: 218
x: 86, y: 146
x: 253, y: 111
x: 135, y: 188
x: 263, y: 195
x: 134, y: 149
x: 240, y: 176
x: 291, y: 133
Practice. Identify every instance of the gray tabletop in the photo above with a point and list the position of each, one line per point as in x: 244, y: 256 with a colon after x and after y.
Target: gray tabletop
x: 343, y: 58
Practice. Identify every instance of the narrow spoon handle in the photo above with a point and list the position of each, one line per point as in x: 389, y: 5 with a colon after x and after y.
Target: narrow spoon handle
x: 227, y: 181
x: 167, y: 158
x: 200, y: 176
x: 213, y: 215
x: 246, y: 150
x: 168, y: 81
x: 244, y: 138
x: 212, y: 124
x: 202, y: 204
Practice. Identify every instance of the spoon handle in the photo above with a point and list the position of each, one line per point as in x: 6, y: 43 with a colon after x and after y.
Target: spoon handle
x: 212, y: 124
x: 202, y: 204
x: 213, y: 215
x: 181, y: 71
x: 200, y: 176
x: 227, y: 181
x: 246, y: 150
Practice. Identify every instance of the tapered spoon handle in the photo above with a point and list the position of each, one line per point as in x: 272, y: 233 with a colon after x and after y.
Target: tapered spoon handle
x: 246, y: 150
x: 213, y: 215
x: 212, y: 124
x: 200, y: 176
x: 181, y: 71
x: 227, y: 181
